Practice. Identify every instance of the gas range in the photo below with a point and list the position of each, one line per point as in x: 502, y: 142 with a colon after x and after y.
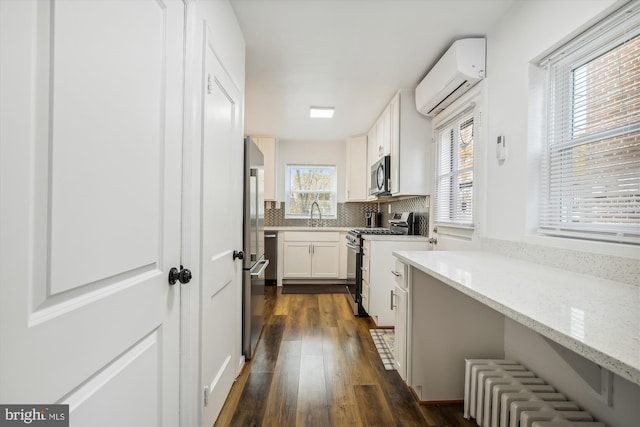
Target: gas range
x: 401, y: 223
x: 376, y: 231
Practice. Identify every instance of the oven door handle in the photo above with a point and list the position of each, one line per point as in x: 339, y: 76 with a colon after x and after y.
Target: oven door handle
x: 356, y: 248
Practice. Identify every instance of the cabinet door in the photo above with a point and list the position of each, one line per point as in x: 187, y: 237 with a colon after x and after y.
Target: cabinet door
x: 325, y: 260
x: 365, y: 295
x: 386, y: 131
x: 400, y: 305
x: 394, y: 135
x: 268, y: 147
x: 357, y: 169
x: 380, y: 132
x: 297, y: 260
x: 372, y: 156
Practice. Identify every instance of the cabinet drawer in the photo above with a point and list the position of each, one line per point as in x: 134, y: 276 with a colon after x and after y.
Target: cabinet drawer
x: 365, y: 288
x: 400, y: 273
x: 366, y: 269
x: 312, y: 236
x: 365, y: 303
x: 365, y: 296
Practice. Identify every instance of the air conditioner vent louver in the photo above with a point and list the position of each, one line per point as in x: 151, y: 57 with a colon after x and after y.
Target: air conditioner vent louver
x: 457, y: 71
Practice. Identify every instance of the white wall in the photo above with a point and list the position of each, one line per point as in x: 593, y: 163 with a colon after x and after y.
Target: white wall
x: 559, y: 367
x: 529, y: 30
x: 313, y: 153
x: 509, y: 194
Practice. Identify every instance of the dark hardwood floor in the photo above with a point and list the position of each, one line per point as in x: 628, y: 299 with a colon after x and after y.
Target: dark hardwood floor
x: 316, y: 365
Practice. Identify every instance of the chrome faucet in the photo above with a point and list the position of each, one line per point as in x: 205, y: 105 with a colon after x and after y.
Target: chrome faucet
x: 315, y: 203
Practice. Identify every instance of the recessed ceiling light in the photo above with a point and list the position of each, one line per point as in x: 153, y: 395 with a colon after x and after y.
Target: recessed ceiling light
x: 321, y: 112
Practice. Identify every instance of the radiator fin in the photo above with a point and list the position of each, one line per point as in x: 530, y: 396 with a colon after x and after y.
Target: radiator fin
x: 503, y: 393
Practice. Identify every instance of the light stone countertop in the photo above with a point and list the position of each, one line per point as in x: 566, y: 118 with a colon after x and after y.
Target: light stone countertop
x: 304, y: 228
x: 596, y: 318
x: 395, y: 238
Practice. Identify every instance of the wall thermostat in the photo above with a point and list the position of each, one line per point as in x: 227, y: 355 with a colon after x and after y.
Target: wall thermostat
x: 501, y: 149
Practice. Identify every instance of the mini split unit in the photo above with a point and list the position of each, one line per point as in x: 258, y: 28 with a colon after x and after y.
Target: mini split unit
x: 457, y: 71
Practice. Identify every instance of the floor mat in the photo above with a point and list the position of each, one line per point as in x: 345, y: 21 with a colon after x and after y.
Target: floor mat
x: 314, y: 289
x: 384, y: 340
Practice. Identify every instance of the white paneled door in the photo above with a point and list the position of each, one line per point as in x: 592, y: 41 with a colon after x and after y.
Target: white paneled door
x: 221, y: 275
x: 91, y: 113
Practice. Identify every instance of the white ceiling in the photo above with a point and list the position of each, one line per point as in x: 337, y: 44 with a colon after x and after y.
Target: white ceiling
x: 350, y: 54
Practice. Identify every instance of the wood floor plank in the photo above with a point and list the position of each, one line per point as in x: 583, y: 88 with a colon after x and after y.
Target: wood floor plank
x: 311, y: 370
x: 454, y: 414
x: 312, y: 406
x: 372, y: 406
x: 343, y: 305
x: 265, y: 359
x: 233, y: 399
x: 434, y: 416
x: 340, y: 393
x: 282, y: 400
x: 251, y: 407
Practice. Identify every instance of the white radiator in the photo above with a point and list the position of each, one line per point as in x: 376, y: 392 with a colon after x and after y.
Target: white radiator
x: 503, y: 393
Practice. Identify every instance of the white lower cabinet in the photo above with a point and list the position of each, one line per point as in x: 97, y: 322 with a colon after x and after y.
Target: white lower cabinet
x: 311, y: 255
x: 377, y: 264
x: 401, y: 307
x: 297, y: 259
x: 325, y: 260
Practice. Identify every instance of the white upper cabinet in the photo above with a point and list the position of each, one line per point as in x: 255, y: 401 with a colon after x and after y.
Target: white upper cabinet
x: 380, y: 137
x: 372, y: 155
x: 411, y: 147
x: 268, y: 147
x: 357, y: 169
x: 406, y: 135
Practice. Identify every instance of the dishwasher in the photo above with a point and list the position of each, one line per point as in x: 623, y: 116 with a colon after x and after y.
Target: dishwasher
x: 271, y: 253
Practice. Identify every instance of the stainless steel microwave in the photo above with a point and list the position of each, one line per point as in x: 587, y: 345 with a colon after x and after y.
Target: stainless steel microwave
x: 381, y: 177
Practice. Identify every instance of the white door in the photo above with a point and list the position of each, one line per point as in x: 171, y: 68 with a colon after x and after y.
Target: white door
x: 221, y: 312
x: 90, y: 155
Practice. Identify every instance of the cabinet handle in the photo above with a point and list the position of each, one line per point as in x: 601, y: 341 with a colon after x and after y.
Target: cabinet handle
x: 395, y: 273
x: 392, y: 306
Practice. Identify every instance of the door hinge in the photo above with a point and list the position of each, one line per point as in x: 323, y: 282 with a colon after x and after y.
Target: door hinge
x: 206, y: 396
x: 209, y: 84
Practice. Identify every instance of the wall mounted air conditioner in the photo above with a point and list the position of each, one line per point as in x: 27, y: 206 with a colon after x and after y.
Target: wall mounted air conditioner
x: 457, y: 71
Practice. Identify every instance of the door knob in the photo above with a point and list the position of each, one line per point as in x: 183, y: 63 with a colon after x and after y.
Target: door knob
x: 238, y: 254
x: 183, y: 275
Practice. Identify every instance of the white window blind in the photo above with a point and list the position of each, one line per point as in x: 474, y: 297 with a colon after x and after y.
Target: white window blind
x: 454, y: 180
x: 590, y: 174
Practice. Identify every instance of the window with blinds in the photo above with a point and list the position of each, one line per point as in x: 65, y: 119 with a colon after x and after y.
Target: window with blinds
x: 454, y: 180
x: 307, y: 184
x: 590, y: 175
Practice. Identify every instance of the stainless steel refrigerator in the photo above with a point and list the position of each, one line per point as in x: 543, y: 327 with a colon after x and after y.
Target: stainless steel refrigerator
x: 254, y: 262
